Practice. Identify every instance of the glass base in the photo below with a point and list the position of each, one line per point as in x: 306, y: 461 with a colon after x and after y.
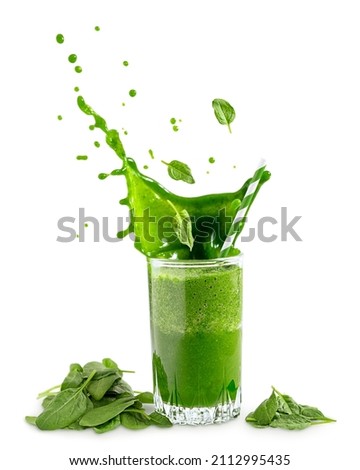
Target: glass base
x: 220, y: 413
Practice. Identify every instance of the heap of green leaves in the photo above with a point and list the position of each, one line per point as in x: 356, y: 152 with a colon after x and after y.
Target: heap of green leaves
x: 95, y: 396
x: 224, y: 112
x: 282, y: 411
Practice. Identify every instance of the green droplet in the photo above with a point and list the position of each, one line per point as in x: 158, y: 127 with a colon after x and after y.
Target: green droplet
x: 86, y: 225
x: 145, y: 167
x: 78, y: 69
x: 211, y: 160
x: 97, y: 144
x: 60, y: 117
x: 91, y: 127
x: 117, y: 172
x: 103, y: 176
x: 132, y: 93
x: 175, y: 128
x: 82, y: 157
x: 125, y: 63
x: 72, y: 58
x: 77, y: 235
x: 151, y: 153
x: 125, y: 132
x: 172, y: 120
x: 60, y: 38
x: 76, y: 89
x: 123, y: 104
x: 97, y: 28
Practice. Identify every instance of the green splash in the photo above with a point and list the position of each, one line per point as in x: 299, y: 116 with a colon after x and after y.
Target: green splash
x: 172, y: 121
x: 78, y: 69
x: 175, y: 128
x: 147, y: 200
x: 132, y: 93
x: 82, y: 157
x: 97, y: 144
x: 59, y: 117
x: 125, y: 63
x: 97, y: 28
x: 211, y: 160
x: 60, y: 38
x: 76, y: 89
x: 151, y: 153
x: 72, y: 58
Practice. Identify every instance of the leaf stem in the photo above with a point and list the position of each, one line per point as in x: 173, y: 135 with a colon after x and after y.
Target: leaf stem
x: 48, y: 391
x: 229, y: 128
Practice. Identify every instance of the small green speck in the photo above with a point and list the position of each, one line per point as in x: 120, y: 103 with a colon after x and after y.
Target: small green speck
x: 86, y: 225
x: 180, y: 120
x: 132, y: 93
x: 77, y: 235
x: 60, y: 38
x: 125, y: 63
x: 172, y: 120
x: 125, y: 132
x: 151, y: 153
x: 82, y: 157
x: 145, y: 167
x: 175, y: 128
x: 97, y: 144
x: 76, y: 89
x: 208, y: 172
x: 97, y: 28
x: 123, y: 104
x: 103, y: 176
x: 72, y: 58
x: 234, y: 166
x: 211, y: 160
x: 91, y: 127
x: 60, y: 117
x: 78, y: 69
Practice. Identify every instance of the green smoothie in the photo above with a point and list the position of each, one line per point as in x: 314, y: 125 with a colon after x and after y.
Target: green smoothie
x: 196, y: 310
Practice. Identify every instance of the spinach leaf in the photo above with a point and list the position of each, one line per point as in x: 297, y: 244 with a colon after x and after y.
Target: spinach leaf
x: 145, y: 397
x: 109, y: 425
x: 183, y: 228
x: 160, y: 420
x: 100, y: 385
x: 224, y: 112
x: 104, y: 413
x: 31, y: 420
x: 74, y: 377
x: 265, y: 412
x: 179, y: 171
x: 291, y: 422
x: 47, y: 400
x: 67, y: 407
x: 132, y: 419
x: 119, y: 387
x: 314, y: 414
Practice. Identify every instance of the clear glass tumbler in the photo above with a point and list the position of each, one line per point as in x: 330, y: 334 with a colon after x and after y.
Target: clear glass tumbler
x: 195, y: 314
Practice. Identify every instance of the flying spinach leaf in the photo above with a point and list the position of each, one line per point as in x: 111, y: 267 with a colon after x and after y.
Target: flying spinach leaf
x: 224, y: 112
x: 179, y: 171
x: 182, y: 227
x: 67, y: 407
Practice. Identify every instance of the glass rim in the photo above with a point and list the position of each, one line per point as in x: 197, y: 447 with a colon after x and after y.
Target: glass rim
x: 223, y: 261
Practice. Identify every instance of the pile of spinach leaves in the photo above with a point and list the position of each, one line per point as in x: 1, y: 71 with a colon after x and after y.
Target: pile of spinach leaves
x: 282, y: 411
x: 95, y: 396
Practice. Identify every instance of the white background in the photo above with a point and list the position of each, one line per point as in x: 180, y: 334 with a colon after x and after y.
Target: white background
x: 291, y: 70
